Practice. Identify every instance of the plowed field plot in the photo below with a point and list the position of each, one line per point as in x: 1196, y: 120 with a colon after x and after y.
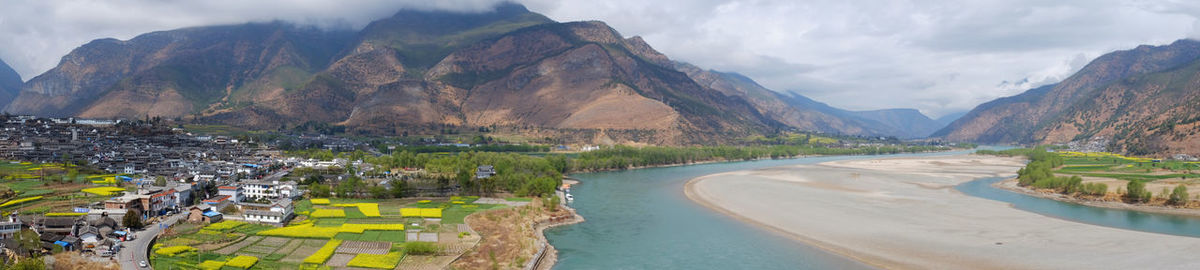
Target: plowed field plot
x: 362, y: 247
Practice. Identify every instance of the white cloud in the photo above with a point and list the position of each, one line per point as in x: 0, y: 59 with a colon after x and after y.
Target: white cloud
x: 38, y: 33
x: 939, y: 56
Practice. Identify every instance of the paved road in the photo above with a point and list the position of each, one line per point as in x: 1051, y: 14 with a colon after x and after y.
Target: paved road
x: 277, y: 176
x: 135, y: 251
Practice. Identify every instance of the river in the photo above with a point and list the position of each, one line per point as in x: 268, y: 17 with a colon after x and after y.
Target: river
x: 640, y: 219
x: 1109, y: 217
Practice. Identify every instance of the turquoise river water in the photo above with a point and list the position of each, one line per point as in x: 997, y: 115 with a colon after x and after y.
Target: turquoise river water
x: 640, y: 219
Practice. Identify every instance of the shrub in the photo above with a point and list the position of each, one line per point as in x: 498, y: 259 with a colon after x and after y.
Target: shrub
x: 324, y: 253
x: 328, y: 213
x: 1179, y: 196
x: 174, y: 250
x: 1095, y: 189
x: 1136, y: 191
x: 242, y: 261
x: 386, y: 261
x: 422, y: 248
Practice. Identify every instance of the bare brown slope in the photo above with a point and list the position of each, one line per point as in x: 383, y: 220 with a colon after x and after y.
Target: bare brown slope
x: 1016, y: 119
x: 1153, y: 114
x: 202, y: 65
x: 585, y: 75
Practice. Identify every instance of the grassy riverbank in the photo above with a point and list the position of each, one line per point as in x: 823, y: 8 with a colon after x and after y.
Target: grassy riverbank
x: 1109, y: 177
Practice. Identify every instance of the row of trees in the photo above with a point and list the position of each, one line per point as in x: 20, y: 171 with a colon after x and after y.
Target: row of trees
x: 526, y: 175
x: 624, y: 157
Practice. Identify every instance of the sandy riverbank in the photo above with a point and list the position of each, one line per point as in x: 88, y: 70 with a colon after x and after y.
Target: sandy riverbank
x: 903, y: 213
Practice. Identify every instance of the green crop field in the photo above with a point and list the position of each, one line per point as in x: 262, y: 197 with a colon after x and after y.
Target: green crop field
x: 1108, y: 165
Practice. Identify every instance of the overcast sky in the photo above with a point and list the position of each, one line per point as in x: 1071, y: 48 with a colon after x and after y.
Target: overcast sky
x: 939, y: 56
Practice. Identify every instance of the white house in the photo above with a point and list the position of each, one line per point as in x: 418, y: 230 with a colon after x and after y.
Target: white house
x: 237, y: 194
x: 277, y: 212
x: 163, y: 201
x: 270, y: 189
x: 10, y: 226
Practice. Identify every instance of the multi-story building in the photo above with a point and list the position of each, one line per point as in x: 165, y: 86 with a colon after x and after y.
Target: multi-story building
x: 270, y: 189
x: 163, y: 201
x: 277, y: 212
x: 236, y: 194
x: 10, y: 226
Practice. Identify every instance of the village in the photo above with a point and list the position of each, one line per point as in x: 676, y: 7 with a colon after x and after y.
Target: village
x: 122, y: 191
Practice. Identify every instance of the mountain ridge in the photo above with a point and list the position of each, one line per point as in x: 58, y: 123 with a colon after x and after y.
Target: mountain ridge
x: 10, y: 83
x: 423, y: 69
x: 1138, y: 99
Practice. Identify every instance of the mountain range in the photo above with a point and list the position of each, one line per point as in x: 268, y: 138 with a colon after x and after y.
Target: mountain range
x: 10, y: 83
x: 1144, y: 101
x: 507, y: 68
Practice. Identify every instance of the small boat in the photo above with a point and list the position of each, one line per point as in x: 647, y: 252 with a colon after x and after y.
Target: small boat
x: 570, y: 197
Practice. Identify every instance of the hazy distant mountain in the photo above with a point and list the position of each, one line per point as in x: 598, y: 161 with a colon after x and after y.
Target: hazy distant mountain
x: 1146, y: 99
x: 424, y: 69
x: 10, y: 83
x: 792, y: 109
x: 945, y: 120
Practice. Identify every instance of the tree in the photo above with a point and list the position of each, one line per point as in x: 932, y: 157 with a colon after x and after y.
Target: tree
x: 315, y: 178
x: 133, y: 219
x: 160, y: 181
x: 72, y: 174
x: 1179, y: 196
x: 230, y: 209
x: 399, y: 188
x: 350, y: 187
x: 319, y: 190
x: 379, y: 192
x: 28, y: 264
x: 1136, y: 191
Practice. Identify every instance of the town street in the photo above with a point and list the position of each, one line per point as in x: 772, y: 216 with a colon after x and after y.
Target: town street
x: 135, y: 251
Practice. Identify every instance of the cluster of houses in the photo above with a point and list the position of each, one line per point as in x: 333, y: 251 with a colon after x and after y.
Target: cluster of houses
x: 101, y: 230
x: 101, y: 235
x: 127, y: 149
x: 259, y: 201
